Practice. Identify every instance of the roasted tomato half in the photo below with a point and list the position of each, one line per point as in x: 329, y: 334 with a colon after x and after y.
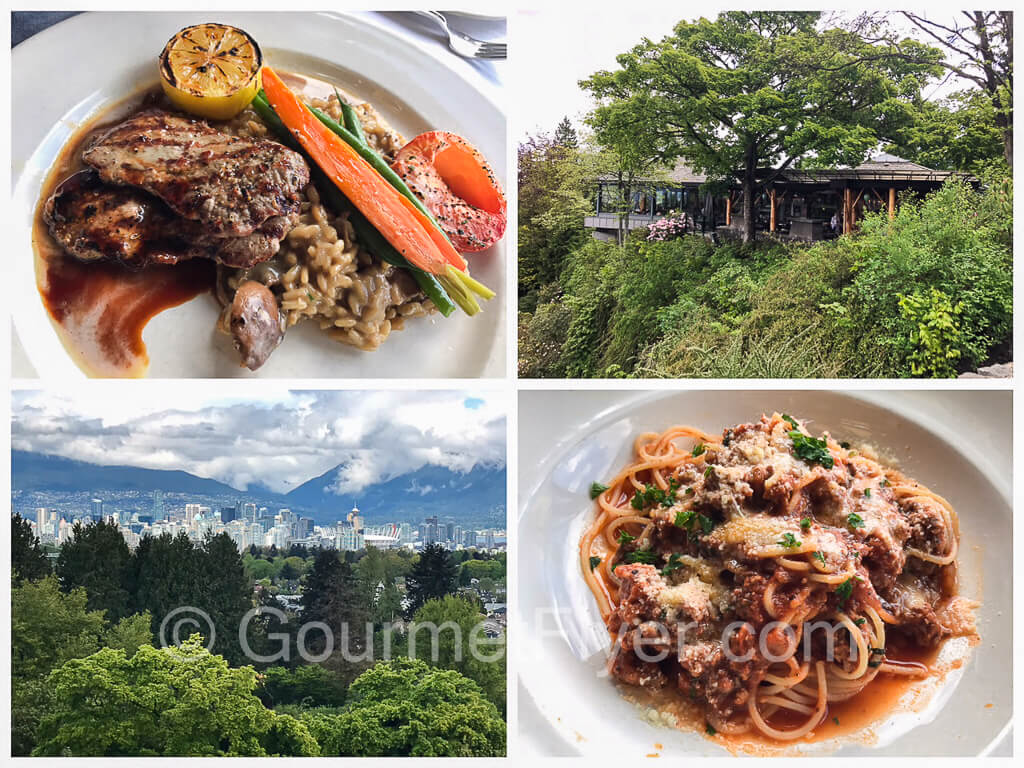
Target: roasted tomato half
x: 457, y: 185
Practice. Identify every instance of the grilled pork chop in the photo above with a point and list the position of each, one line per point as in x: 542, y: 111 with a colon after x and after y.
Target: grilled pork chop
x: 96, y: 221
x: 230, y: 184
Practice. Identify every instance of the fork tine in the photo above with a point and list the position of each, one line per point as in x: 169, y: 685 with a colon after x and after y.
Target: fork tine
x: 493, y: 51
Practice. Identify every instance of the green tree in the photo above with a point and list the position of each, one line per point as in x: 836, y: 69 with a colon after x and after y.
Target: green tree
x: 565, y: 134
x: 257, y: 568
x: 756, y: 90
x: 27, y: 558
x: 169, y: 701
x: 479, y: 569
x: 224, y: 592
x: 334, y: 596
x: 979, y: 48
x: 97, y: 558
x: 408, y: 708
x: 434, y: 575
x: 49, y: 627
x: 309, y: 685
x: 448, y: 633
x: 957, y: 134
x: 552, y: 204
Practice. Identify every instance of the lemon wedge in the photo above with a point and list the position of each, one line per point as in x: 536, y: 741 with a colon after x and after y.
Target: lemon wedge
x: 211, y: 70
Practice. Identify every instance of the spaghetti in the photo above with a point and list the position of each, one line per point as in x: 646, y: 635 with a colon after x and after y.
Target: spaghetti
x: 762, y: 572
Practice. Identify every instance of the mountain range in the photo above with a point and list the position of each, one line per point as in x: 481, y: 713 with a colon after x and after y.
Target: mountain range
x: 476, y: 497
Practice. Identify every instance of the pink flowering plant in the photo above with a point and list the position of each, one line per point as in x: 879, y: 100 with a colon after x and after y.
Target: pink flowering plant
x: 672, y: 226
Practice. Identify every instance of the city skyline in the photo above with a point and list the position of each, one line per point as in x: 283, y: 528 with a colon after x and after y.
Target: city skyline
x: 248, y: 524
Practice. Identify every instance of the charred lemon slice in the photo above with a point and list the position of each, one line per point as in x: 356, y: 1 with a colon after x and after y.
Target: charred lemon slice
x: 211, y: 70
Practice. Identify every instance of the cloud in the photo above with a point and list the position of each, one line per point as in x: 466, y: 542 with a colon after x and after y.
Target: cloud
x: 279, y: 441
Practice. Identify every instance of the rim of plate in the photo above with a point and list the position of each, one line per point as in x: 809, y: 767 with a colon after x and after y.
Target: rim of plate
x: 631, y: 401
x: 30, y: 318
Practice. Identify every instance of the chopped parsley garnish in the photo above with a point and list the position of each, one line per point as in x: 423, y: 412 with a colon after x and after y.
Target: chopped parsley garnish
x: 689, y: 520
x: 805, y: 524
x: 596, y: 489
x: 711, y: 731
x: 885, y: 482
x: 707, y: 470
x: 625, y: 537
x: 789, y: 541
x: 641, y: 556
x: 835, y: 720
x: 867, y: 493
x: 698, y: 450
x: 854, y: 520
x: 791, y: 420
x: 689, y: 491
x: 684, y: 517
x: 845, y: 590
x: 860, y: 622
x: 811, y: 449
x: 673, y: 564
x: 819, y: 555
x: 652, y: 494
x: 594, y: 562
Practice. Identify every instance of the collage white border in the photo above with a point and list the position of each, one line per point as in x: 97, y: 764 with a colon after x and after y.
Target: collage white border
x: 517, y: 93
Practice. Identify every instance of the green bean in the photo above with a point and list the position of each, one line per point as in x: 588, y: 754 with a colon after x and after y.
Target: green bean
x: 351, y: 119
x: 367, y: 233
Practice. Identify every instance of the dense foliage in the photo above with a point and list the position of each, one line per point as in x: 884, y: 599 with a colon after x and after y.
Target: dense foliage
x: 407, y: 707
x: 433, y: 575
x: 927, y: 294
x: 88, y: 680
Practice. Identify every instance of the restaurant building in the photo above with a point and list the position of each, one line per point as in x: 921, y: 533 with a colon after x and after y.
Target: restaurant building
x: 797, y: 204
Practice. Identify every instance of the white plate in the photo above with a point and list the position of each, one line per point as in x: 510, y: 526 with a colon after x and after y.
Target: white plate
x: 958, y: 443
x: 59, y: 81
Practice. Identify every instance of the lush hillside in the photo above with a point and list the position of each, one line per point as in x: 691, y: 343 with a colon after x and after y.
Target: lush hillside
x: 929, y: 294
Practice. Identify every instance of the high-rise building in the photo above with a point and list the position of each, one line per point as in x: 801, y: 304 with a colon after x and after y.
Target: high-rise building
x: 429, y: 531
x: 489, y: 538
x: 456, y: 537
x: 405, y: 534
x: 227, y: 514
x: 192, y: 511
x: 97, y: 509
x: 249, y: 511
x: 469, y: 539
x: 304, y: 527
x: 158, y: 504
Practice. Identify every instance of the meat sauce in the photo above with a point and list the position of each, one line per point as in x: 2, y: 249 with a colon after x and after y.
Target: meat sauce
x: 100, y: 310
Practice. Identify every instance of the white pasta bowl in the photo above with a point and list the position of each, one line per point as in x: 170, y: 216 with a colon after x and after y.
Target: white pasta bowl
x: 957, y: 443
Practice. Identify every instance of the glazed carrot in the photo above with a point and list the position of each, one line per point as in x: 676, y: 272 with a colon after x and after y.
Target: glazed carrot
x: 420, y: 211
x: 377, y: 200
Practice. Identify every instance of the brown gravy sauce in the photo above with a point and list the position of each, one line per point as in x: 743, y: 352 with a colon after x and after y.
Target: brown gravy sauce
x: 101, y: 309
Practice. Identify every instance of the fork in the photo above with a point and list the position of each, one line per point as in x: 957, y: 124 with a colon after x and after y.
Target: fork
x: 466, y: 46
